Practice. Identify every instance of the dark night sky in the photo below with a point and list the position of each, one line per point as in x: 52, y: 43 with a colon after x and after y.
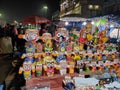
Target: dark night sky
x: 19, y: 9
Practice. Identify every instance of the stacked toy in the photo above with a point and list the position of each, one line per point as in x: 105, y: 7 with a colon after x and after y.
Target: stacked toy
x: 68, y: 52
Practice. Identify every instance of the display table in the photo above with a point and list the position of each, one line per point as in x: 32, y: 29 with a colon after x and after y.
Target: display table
x: 55, y: 82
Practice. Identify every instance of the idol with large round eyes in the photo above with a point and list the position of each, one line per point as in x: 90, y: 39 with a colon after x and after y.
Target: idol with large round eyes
x: 31, y: 36
x: 58, y: 34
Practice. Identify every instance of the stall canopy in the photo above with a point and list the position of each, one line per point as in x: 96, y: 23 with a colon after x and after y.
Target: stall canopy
x: 35, y: 20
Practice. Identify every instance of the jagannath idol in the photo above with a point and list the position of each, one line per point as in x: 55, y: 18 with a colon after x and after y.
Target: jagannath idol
x: 49, y: 65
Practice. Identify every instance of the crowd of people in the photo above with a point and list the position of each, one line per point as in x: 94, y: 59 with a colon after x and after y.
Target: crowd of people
x: 13, y: 31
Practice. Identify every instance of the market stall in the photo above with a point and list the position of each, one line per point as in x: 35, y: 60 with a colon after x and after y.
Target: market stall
x: 85, y: 52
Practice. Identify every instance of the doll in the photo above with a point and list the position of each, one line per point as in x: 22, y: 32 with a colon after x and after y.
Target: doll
x: 30, y: 48
x: 69, y: 57
x: 39, y: 47
x: 62, y: 47
x: 71, y: 66
x: 69, y: 47
x: 113, y: 55
x: 76, y: 56
x: 31, y: 35
x: 61, y: 35
x: 61, y: 60
x: 29, y: 56
x: 27, y: 69
x: 49, y: 65
x: 48, y: 46
x: 89, y: 37
x: 46, y: 36
x: 68, y: 83
x: 38, y: 67
x: 81, y: 46
x: 89, y: 55
x: 74, y: 34
x: 76, y: 47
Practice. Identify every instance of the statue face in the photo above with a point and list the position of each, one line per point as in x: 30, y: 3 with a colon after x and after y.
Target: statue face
x: 46, y: 36
x: 48, y: 59
x: 61, y: 34
x: 31, y: 35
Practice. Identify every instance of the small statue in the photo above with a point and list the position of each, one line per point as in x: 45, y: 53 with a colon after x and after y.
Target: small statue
x: 27, y: 69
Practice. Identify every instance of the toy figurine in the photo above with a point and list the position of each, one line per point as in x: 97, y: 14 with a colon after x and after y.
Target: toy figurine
x: 81, y: 46
x: 61, y: 59
x: 62, y: 47
x: 38, y: 67
x: 76, y: 56
x: 39, y: 47
x: 113, y: 55
x: 48, y: 46
x: 76, y: 47
x: 30, y: 48
x: 71, y: 66
x: 89, y: 37
x: 74, y: 35
x: 46, y: 36
x: 61, y: 35
x: 68, y: 83
x: 89, y: 55
x: 69, y: 57
x: 29, y: 56
x: 49, y: 65
x: 30, y: 35
x: 69, y: 48
x: 28, y: 68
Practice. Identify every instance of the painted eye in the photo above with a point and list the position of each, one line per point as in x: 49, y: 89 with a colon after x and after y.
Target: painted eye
x: 59, y: 34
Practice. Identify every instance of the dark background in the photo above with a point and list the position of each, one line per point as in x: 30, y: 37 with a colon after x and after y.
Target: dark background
x: 18, y: 9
